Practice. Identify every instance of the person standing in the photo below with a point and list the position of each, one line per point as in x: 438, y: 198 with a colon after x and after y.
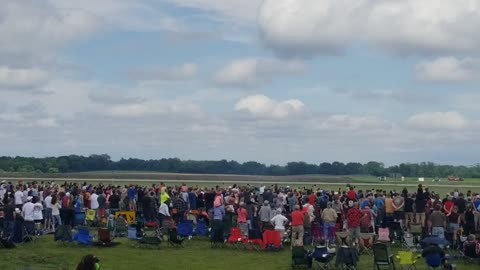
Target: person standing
x: 297, y: 227
x: 437, y: 222
x: 329, y: 217
x: 354, y: 216
x: 420, y: 204
x: 265, y: 214
x: 19, y: 197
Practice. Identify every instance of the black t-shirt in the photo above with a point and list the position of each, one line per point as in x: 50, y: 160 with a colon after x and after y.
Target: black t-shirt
x: 9, y: 212
x: 420, y: 205
x: 408, y: 205
x: 461, y: 204
x: 114, y: 200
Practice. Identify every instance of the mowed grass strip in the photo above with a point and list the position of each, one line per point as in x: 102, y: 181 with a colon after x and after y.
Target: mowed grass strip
x: 197, y: 254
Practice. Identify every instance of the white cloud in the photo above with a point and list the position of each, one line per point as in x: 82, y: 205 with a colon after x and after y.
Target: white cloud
x: 253, y: 71
x: 447, y: 69
x: 438, y: 120
x: 263, y: 106
x: 306, y: 27
x: 185, y: 71
x: 350, y: 122
x: 11, y: 78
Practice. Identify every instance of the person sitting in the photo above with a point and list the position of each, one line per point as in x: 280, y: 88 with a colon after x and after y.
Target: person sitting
x: 470, y: 247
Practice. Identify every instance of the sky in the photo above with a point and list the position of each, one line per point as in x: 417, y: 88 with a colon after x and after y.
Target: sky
x: 272, y: 81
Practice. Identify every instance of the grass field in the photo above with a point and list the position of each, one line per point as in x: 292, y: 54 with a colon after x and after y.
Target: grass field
x: 197, y: 254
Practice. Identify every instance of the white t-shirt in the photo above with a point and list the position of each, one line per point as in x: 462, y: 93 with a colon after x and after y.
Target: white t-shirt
x: 279, y: 222
x: 27, y: 211
x: 2, y: 193
x: 94, y: 201
x: 48, y: 202
x: 56, y: 209
x: 37, y: 211
x: 25, y: 196
x: 18, y: 197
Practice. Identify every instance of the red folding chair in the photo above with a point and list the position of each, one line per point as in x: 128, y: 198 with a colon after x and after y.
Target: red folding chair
x: 272, y: 239
x: 236, y: 238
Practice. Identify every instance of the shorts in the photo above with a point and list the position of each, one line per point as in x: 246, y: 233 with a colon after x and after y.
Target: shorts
x: 354, y: 232
x: 399, y: 215
x: 410, y: 216
x: 453, y: 227
x: 48, y: 213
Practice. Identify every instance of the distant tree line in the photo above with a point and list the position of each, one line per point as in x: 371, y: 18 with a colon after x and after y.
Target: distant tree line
x: 75, y: 163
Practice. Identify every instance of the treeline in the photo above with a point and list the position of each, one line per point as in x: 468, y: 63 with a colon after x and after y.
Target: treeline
x: 74, y: 163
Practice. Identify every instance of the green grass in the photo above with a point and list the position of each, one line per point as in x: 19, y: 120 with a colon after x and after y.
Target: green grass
x: 197, y: 254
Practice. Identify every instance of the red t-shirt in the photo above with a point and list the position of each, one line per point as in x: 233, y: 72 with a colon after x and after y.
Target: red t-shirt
x: 242, y: 215
x: 297, y: 218
x: 311, y: 199
x: 354, y: 216
x: 448, y: 205
x: 352, y: 195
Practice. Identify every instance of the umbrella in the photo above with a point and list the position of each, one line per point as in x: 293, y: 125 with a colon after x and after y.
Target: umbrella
x: 436, y: 241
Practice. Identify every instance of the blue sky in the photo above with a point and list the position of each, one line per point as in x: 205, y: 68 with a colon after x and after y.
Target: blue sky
x: 266, y: 80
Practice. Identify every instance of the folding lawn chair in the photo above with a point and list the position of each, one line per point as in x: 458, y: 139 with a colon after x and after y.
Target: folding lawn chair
x: 433, y: 261
x: 383, y: 235
x: 236, y: 238
x: 343, y: 238
x: 185, y: 228
x: 382, y: 257
x: 408, y: 242
x: 217, y: 239
x: 175, y: 239
x: 28, y: 232
x: 407, y: 259
x: 255, y: 240
x: 201, y: 228
x: 366, y: 243
x: 323, y: 258
x: 83, y: 236
x: 63, y: 234
x: 272, y: 240
x: 79, y: 219
x: 347, y: 258
x: 120, y: 228
x: 301, y: 258
x: 104, y: 237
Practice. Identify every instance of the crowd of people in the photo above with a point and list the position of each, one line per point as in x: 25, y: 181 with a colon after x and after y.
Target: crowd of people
x: 288, y: 210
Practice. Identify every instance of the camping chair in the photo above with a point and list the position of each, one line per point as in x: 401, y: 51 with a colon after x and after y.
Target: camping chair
x: 255, y: 240
x: 272, y: 240
x: 408, y: 242
x: 433, y: 261
x: 185, y: 228
x: 366, y: 243
x: 83, y: 236
x: 343, y: 238
x: 323, y: 258
x: 120, y: 227
x: 104, y: 237
x: 383, y: 235
x: 175, y: 239
x: 407, y: 259
x: 90, y: 217
x: 63, y: 234
x: 201, y: 228
x: 236, y: 238
x: 347, y: 258
x: 79, y: 219
x: 28, y: 232
x: 382, y: 257
x: 217, y: 239
x: 300, y: 258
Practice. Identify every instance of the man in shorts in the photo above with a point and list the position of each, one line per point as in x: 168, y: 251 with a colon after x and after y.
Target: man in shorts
x: 354, y: 216
x: 398, y: 204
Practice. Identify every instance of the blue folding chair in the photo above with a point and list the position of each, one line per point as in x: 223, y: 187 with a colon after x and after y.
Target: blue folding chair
x: 201, y: 228
x: 434, y: 261
x: 185, y: 228
x: 83, y: 236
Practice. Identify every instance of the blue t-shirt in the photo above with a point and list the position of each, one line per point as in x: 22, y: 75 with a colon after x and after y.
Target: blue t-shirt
x: 364, y: 204
x: 379, y: 202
